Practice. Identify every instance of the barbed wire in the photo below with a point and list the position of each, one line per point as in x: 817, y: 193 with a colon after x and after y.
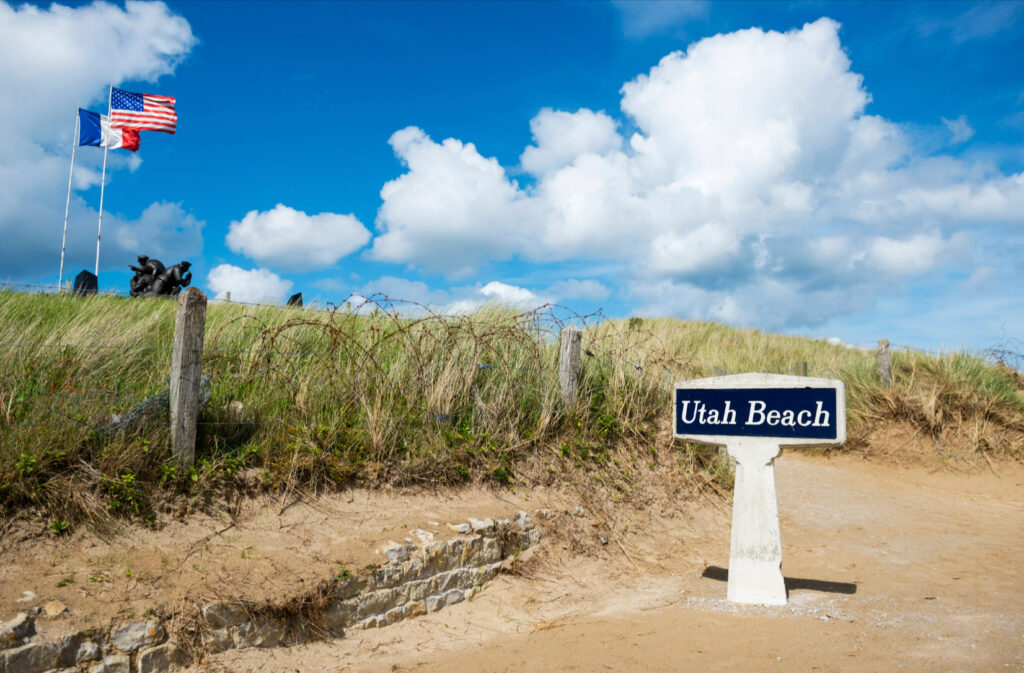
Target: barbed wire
x: 619, y: 347
x: 354, y: 304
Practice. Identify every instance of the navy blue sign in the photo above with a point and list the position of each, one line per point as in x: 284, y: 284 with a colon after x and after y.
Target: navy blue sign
x: 804, y: 413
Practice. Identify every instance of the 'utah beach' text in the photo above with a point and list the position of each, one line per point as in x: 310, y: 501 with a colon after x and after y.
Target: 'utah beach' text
x: 757, y: 414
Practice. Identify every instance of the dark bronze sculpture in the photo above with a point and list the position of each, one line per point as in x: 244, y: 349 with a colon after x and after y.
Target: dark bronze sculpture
x: 145, y: 274
x: 152, y: 278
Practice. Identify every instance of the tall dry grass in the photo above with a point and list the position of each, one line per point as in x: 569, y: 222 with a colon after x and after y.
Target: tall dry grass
x: 305, y: 400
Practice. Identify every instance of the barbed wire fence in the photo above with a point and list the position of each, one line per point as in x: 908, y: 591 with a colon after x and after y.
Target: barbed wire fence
x: 424, y: 340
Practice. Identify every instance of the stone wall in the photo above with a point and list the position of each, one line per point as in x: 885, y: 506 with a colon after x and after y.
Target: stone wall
x: 419, y: 576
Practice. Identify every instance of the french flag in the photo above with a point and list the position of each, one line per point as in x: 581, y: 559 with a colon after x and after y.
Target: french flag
x: 94, y: 129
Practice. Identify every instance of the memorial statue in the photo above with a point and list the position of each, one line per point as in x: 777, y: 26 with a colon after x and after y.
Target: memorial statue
x: 152, y: 278
x: 145, y: 274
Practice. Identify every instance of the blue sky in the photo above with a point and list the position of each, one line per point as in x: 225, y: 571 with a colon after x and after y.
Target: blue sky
x: 848, y: 170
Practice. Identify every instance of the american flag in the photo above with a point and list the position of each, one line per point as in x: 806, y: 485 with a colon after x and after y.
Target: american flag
x: 143, y: 111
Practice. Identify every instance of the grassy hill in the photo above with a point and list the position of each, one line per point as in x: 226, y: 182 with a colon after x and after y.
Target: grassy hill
x: 306, y: 400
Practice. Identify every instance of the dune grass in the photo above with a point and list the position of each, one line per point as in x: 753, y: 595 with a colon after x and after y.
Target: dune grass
x: 307, y: 400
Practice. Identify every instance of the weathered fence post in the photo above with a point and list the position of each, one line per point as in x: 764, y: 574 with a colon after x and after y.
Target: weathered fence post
x: 186, y: 373
x: 884, y: 363
x: 569, y: 362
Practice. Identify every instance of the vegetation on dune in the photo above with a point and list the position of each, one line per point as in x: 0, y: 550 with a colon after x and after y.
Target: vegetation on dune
x: 305, y: 400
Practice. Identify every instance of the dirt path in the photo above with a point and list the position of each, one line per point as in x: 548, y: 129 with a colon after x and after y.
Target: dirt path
x: 888, y: 570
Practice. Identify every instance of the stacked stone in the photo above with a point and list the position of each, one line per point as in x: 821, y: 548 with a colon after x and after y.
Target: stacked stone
x: 130, y: 647
x: 416, y: 579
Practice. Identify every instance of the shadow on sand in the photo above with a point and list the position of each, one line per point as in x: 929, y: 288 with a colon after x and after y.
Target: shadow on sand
x: 792, y: 583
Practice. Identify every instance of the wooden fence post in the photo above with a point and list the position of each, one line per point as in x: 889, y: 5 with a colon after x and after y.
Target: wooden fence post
x: 884, y: 363
x: 569, y: 362
x: 186, y: 374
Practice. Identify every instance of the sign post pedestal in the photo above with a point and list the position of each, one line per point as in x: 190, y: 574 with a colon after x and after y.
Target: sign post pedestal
x: 755, y: 556
x: 755, y: 416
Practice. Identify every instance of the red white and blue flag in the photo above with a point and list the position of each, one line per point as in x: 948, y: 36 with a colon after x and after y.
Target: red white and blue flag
x: 94, y: 129
x: 142, y: 111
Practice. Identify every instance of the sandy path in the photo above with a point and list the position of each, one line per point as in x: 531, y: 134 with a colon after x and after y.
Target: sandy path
x: 888, y: 570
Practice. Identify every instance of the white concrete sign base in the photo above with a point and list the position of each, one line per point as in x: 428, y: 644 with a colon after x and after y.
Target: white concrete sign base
x: 755, y: 416
x: 755, y: 557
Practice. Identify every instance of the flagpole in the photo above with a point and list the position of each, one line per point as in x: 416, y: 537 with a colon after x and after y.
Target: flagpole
x: 102, y: 180
x: 67, y: 206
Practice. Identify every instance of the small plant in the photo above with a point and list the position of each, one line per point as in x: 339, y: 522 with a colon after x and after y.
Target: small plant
x: 25, y: 465
x: 65, y: 581
x: 125, y: 496
x: 343, y: 573
x: 168, y: 473
x: 97, y: 577
x: 59, y: 526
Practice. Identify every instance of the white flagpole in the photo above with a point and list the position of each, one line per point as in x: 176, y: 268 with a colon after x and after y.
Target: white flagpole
x: 67, y: 206
x: 99, y: 226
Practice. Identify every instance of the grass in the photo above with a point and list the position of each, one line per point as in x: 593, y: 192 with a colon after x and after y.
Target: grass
x: 303, y: 400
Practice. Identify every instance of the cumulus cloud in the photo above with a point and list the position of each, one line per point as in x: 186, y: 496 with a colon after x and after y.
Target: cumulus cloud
x: 753, y: 187
x: 57, y: 57
x: 414, y: 297
x: 560, y: 137
x: 406, y: 294
x: 959, y: 130
x: 468, y: 299
x: 452, y: 210
x: 291, y: 239
x: 162, y: 229
x: 912, y: 256
x: 579, y: 289
x: 256, y: 286
x: 509, y: 294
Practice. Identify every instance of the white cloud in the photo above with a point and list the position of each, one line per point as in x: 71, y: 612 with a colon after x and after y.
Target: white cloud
x: 981, y: 279
x: 710, y: 246
x: 912, y: 256
x: 983, y: 20
x: 291, y: 239
x: 58, y: 57
x: 959, y: 130
x: 162, y: 230
x: 414, y: 297
x: 509, y: 294
x: 561, y: 137
x: 451, y: 211
x: 646, y: 17
x: 579, y: 289
x: 255, y: 286
x: 405, y: 293
x: 466, y: 299
x: 754, y: 188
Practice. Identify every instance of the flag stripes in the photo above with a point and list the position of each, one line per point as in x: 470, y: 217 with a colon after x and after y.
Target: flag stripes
x: 142, y: 111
